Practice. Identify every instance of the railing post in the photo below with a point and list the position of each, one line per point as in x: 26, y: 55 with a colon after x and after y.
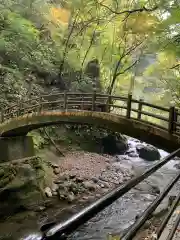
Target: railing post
x: 140, y: 108
x: 40, y: 105
x: 65, y: 100
x: 108, y: 107
x: 19, y: 110
x: 2, y: 115
x: 172, y: 119
x: 129, y: 101
x: 82, y: 103
x: 175, y: 118
x: 94, y: 101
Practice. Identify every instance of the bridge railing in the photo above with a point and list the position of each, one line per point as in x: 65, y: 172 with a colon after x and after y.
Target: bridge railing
x: 165, y: 118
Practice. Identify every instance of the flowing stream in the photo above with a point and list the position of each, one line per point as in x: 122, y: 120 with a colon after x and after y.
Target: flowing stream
x: 118, y: 216
x: 121, y: 214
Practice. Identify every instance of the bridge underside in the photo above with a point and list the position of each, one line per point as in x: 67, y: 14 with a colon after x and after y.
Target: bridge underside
x: 146, y: 132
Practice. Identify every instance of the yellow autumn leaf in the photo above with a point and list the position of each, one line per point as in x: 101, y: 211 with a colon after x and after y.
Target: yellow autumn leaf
x: 60, y: 15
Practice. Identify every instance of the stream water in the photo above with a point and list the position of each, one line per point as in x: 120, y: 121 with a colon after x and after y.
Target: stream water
x: 114, y: 219
x: 121, y: 214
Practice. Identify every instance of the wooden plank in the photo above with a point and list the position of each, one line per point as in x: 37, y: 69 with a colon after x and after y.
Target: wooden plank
x: 119, y: 98
x: 118, y: 106
x: 151, y: 115
x: 155, y: 106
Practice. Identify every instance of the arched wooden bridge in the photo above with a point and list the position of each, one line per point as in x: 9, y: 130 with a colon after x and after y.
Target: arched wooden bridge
x: 123, y: 114
x: 119, y: 113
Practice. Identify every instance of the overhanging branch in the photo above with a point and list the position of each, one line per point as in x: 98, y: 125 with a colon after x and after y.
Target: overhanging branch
x: 126, y: 69
x: 143, y: 9
x: 175, y: 66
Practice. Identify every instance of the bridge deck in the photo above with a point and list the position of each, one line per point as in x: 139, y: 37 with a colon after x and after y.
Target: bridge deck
x: 136, y: 118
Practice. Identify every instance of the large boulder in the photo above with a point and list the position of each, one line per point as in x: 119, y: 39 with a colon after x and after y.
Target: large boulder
x: 113, y: 144
x: 148, y: 152
x: 21, y: 185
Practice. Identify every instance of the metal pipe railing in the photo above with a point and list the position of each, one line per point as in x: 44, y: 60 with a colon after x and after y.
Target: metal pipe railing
x: 70, y: 225
x: 174, y: 228
x: 148, y: 212
x: 168, y: 216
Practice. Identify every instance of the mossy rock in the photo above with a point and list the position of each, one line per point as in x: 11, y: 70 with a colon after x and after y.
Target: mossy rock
x: 22, y: 184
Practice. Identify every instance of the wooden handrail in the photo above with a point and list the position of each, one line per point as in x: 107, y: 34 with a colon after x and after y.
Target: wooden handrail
x: 93, y: 102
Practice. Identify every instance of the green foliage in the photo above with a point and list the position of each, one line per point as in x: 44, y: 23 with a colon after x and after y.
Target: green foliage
x: 40, y: 37
x: 38, y: 139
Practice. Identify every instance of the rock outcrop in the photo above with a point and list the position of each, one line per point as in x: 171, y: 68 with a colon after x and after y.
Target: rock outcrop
x: 21, y: 185
x: 148, y: 152
x: 112, y: 144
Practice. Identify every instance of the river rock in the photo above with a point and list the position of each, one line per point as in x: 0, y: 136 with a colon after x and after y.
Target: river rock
x: 54, y: 193
x: 79, y: 179
x: 148, y: 152
x: 94, y: 179
x: 113, y: 145
x: 54, y: 187
x: 106, y: 185
x: 108, y: 167
x: 75, y: 188
x: 133, y: 154
x: 56, y: 171
x: 116, y: 166
x: 62, y: 196
x: 98, y: 195
x: 48, y: 192
x: 85, y: 198
x: 104, y: 190
x: 177, y: 166
x: 54, y: 165
x: 72, y: 176
x: 89, y: 185
x: 70, y: 197
x: 102, y: 178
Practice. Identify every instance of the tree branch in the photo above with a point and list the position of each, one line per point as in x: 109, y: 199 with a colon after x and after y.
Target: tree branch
x: 66, y: 46
x: 175, y: 66
x: 143, y: 9
x: 126, y: 69
x: 53, y: 143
